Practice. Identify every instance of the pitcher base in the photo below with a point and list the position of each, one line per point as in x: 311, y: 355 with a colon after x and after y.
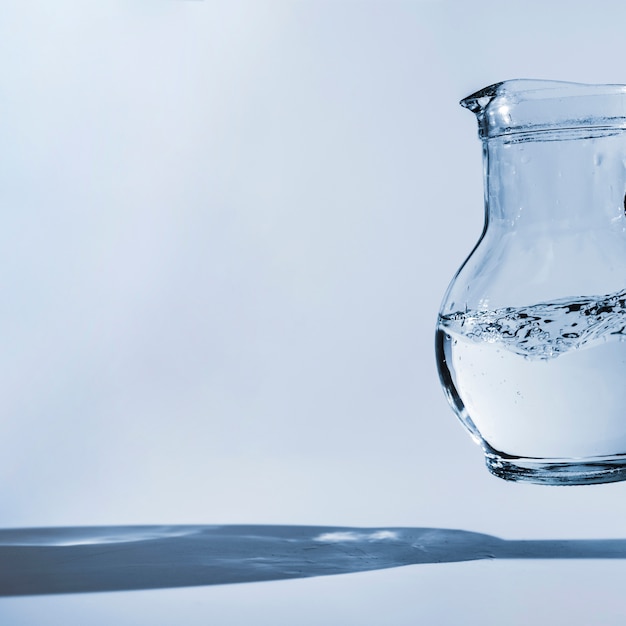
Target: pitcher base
x: 557, y: 471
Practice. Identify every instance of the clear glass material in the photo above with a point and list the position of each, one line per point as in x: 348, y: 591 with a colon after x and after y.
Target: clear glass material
x: 530, y: 336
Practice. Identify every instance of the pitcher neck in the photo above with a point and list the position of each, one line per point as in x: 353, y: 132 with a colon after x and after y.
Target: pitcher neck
x: 556, y: 180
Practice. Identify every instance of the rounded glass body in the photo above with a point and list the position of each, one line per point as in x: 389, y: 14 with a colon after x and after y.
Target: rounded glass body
x: 531, y: 334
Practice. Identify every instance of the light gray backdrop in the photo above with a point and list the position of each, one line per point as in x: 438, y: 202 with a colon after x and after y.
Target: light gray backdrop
x: 226, y: 230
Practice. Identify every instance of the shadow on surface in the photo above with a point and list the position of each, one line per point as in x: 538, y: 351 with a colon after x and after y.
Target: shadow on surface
x: 115, y: 558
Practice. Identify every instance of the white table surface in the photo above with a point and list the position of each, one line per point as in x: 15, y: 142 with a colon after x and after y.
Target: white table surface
x: 518, y: 592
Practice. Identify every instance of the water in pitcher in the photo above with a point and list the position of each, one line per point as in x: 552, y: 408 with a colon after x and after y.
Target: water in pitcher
x: 543, y: 381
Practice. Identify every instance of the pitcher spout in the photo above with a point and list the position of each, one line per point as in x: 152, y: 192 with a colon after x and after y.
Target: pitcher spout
x: 532, y: 106
x: 477, y: 102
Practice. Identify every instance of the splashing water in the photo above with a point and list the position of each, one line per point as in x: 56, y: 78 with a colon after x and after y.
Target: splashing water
x: 541, y: 381
x: 544, y: 330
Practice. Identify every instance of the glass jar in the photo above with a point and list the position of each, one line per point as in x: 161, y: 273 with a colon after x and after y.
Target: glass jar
x: 530, y: 337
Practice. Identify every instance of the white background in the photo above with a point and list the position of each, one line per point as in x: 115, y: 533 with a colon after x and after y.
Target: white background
x: 226, y: 229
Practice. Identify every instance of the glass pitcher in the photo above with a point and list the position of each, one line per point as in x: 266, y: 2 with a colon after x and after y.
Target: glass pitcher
x: 530, y: 336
